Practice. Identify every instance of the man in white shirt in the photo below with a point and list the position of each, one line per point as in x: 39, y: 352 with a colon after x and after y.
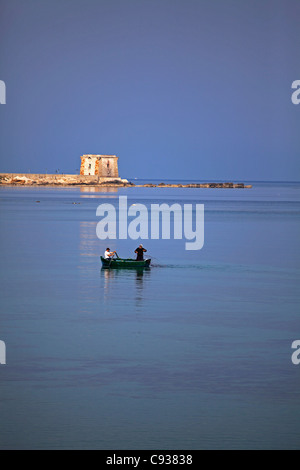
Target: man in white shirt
x: 109, y: 254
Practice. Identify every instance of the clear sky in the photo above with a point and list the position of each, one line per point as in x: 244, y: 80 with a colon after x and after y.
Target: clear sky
x: 194, y: 89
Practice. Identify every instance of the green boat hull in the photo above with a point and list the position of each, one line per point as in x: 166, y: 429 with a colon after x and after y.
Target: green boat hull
x: 124, y: 263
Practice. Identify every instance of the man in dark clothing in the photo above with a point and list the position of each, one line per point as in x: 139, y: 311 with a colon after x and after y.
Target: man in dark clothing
x: 140, y: 253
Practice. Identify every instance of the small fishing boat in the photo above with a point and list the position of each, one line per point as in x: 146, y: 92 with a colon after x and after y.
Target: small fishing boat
x: 124, y: 263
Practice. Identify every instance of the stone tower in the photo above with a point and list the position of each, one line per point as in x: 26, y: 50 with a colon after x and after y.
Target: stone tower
x: 104, y: 166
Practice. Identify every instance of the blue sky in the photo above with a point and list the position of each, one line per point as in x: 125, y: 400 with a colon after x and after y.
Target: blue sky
x: 194, y: 89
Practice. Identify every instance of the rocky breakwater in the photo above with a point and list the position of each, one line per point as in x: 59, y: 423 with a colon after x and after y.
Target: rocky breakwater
x: 196, y: 185
x: 32, y: 179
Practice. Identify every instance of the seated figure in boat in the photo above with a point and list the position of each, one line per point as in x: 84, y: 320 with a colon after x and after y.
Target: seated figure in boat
x: 140, y: 253
x: 109, y: 254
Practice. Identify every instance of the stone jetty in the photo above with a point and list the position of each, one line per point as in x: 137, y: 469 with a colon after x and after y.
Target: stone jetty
x: 195, y: 185
x: 32, y: 179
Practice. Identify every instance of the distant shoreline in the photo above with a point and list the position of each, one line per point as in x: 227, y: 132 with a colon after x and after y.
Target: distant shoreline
x: 32, y: 179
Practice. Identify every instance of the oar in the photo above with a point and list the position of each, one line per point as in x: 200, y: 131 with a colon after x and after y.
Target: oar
x: 111, y: 258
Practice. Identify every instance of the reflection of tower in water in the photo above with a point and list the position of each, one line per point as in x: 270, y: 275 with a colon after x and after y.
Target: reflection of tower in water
x: 90, y: 249
x: 89, y: 262
x: 89, y: 243
x: 97, y: 189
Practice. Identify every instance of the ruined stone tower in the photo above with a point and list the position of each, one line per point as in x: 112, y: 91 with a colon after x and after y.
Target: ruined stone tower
x: 104, y: 166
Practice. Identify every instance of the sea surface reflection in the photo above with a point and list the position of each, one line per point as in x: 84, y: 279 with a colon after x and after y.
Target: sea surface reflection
x: 193, y: 353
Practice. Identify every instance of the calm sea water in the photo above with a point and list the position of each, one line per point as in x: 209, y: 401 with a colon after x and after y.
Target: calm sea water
x: 194, y: 353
